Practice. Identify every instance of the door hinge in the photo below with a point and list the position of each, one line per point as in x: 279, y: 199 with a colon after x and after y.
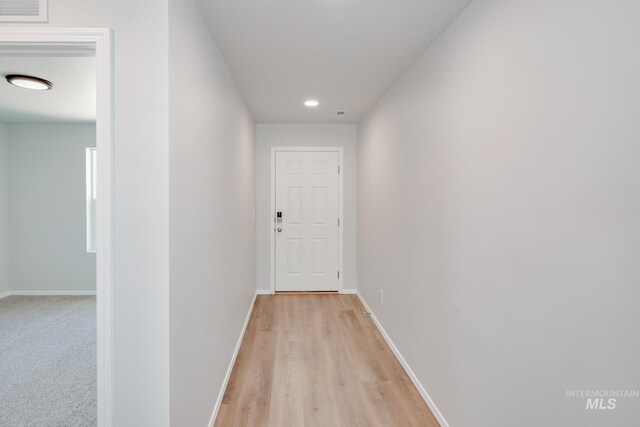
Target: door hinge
x: 338, y: 169
x: 338, y: 222
x: 338, y: 274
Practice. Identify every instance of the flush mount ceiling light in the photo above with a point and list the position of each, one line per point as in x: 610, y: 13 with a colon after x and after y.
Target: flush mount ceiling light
x: 311, y: 103
x: 29, y: 82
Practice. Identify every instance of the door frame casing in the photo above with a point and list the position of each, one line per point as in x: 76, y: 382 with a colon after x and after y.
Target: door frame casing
x: 288, y: 149
x: 31, y: 41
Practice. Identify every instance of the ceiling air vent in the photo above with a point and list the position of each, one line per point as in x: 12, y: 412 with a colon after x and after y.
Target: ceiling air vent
x: 341, y: 113
x: 23, y: 10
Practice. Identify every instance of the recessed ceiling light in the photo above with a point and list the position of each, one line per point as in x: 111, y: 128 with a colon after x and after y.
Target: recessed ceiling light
x: 311, y: 103
x: 29, y: 82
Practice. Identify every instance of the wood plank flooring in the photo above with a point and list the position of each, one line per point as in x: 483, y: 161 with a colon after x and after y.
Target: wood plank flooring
x: 318, y: 360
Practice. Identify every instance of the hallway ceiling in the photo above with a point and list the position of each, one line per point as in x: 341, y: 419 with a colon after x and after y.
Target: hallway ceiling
x: 344, y: 53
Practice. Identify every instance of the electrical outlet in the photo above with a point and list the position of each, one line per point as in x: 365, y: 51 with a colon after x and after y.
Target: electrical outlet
x: 381, y: 297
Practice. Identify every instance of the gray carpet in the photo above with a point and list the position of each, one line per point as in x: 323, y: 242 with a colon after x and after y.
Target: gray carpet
x: 48, y: 361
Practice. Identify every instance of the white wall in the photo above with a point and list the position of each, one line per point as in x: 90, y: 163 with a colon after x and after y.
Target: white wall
x: 499, y: 197
x: 48, y: 208
x: 141, y: 205
x: 5, y: 275
x: 304, y: 135
x: 212, y: 184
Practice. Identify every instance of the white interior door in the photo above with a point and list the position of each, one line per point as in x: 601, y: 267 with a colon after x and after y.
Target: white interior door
x: 307, y: 220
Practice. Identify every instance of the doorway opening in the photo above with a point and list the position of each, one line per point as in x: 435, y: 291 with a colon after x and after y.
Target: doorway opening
x: 78, y: 43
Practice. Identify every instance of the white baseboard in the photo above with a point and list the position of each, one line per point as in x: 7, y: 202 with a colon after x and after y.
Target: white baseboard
x: 216, y: 409
x: 47, y: 293
x: 344, y: 292
x: 430, y: 403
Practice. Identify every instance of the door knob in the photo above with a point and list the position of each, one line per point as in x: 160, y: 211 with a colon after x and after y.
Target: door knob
x: 279, y: 229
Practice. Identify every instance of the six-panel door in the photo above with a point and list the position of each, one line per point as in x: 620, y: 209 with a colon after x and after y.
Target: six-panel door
x: 307, y: 192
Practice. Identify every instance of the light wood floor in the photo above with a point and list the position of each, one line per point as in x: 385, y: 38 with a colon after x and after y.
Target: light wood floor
x: 318, y: 360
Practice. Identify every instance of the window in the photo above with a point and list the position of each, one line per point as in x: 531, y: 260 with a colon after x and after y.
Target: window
x: 92, y: 187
